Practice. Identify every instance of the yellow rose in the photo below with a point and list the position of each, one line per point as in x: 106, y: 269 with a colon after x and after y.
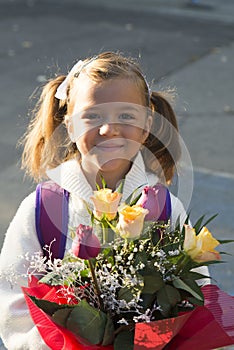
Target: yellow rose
x: 200, y: 247
x: 131, y: 220
x: 105, y: 203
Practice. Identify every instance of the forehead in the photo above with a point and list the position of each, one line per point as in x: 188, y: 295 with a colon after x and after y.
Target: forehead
x: 87, y: 93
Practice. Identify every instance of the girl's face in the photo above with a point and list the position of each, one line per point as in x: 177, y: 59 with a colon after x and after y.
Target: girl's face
x: 109, y: 124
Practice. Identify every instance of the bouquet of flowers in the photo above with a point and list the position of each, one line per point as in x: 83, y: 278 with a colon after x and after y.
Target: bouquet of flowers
x: 131, y: 281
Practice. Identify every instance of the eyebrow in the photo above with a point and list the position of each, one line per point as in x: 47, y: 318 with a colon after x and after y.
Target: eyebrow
x: 118, y: 108
x: 131, y: 108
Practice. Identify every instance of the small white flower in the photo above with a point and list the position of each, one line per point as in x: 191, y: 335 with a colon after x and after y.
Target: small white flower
x: 123, y: 321
x: 118, y: 258
x: 173, y: 252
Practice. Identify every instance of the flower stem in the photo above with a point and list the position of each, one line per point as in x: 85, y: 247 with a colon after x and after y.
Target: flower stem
x: 95, y: 282
x: 182, y: 264
x: 104, y: 233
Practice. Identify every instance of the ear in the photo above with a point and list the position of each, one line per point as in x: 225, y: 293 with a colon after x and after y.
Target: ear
x: 69, y: 125
x: 147, y: 127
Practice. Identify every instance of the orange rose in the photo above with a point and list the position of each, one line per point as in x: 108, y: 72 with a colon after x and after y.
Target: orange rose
x: 131, y: 220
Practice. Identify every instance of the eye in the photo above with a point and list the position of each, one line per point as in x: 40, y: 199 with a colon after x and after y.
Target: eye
x: 126, y: 116
x: 92, y: 116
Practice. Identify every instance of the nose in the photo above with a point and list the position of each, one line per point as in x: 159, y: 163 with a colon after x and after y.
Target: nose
x: 109, y: 129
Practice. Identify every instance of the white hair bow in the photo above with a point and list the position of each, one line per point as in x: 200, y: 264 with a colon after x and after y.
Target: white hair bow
x: 61, y: 92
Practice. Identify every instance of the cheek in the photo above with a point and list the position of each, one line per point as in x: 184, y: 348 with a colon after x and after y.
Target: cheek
x: 86, y: 141
x: 134, y: 133
x: 80, y: 128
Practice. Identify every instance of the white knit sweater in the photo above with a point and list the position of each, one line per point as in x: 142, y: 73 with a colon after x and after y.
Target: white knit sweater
x: 16, y: 326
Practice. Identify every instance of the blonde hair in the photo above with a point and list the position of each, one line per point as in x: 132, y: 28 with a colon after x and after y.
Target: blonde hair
x: 46, y: 142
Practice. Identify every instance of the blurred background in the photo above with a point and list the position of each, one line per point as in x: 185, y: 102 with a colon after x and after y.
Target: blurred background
x: 183, y: 45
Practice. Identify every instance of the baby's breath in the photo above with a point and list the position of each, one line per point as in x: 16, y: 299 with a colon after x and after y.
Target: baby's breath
x: 123, y: 272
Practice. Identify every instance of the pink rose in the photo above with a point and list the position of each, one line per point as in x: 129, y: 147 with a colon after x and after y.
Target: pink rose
x: 157, y: 200
x: 85, y: 245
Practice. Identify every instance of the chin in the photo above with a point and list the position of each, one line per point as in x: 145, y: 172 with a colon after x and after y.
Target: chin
x: 115, y: 165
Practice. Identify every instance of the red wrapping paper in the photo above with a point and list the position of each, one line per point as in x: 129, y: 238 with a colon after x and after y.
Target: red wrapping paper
x: 206, y: 327
x: 55, y: 336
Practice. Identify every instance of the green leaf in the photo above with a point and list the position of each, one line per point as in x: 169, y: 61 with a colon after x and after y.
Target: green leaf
x: 84, y: 273
x: 104, y: 184
x: 225, y: 253
x: 126, y: 294
x: 89, y: 210
x: 87, y: 322
x: 109, y: 332
x: 167, y: 298
x: 224, y: 241
x: 48, y: 307
x: 124, y: 340
x: 132, y: 199
x: 147, y: 300
x: 119, y: 189
x: 189, y: 286
x: 210, y: 219
x: 60, y: 316
x: 195, y: 301
x: 152, y: 283
x: 211, y: 262
x: 194, y: 275
x: 198, y: 225
x: 177, y: 224
x: 52, y: 278
x: 140, y: 258
x: 187, y: 219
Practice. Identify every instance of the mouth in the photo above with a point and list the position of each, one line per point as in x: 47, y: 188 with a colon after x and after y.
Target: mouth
x: 109, y: 146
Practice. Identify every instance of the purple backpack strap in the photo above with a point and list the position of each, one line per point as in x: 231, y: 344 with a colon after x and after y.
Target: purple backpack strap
x: 52, y: 217
x: 164, y: 199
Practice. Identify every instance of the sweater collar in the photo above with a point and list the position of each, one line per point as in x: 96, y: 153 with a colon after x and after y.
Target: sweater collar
x: 70, y: 176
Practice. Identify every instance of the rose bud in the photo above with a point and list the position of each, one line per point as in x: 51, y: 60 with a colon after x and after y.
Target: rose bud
x: 105, y: 203
x: 85, y: 245
x: 157, y: 200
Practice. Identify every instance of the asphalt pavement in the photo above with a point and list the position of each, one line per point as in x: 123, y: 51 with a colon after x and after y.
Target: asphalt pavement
x: 185, y: 45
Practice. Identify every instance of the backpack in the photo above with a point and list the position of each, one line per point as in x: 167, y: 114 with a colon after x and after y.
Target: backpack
x: 51, y: 215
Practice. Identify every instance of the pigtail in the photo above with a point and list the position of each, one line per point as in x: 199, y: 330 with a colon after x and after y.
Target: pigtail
x: 46, y: 132
x: 163, y: 141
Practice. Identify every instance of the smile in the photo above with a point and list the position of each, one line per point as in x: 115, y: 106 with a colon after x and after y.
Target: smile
x: 109, y: 147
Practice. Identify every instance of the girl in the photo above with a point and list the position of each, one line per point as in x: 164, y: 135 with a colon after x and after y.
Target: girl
x: 101, y: 121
